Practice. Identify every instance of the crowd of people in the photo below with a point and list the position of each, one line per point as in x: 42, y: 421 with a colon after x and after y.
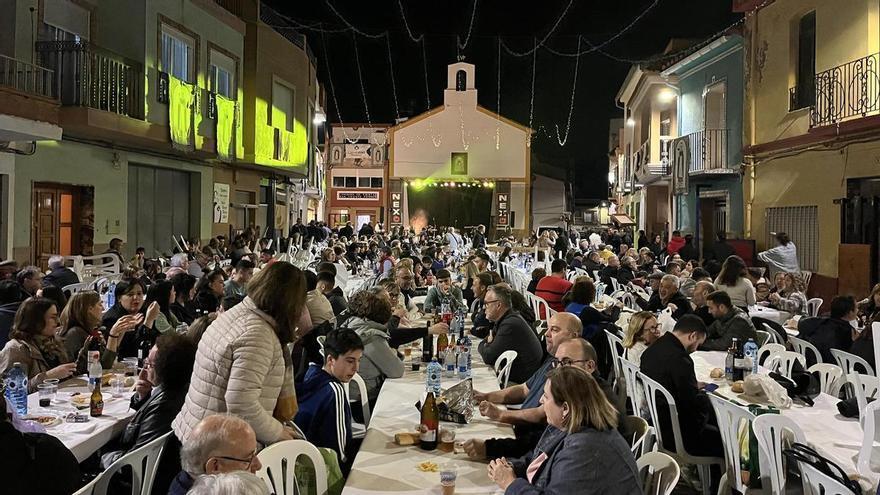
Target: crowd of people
x: 247, y: 349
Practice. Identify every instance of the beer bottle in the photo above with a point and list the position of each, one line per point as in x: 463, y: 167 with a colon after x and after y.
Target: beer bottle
x: 427, y: 346
x: 442, y: 344
x: 430, y: 423
x: 96, y: 402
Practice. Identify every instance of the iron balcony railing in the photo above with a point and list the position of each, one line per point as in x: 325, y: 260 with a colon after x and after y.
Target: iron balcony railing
x: 26, y: 77
x: 800, y: 97
x: 708, y: 149
x: 848, y: 91
x: 93, y: 77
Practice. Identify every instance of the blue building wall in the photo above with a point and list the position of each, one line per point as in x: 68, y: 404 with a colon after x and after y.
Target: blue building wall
x: 723, y: 63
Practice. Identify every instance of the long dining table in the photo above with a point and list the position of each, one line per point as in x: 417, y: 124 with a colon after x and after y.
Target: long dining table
x: 831, y: 434
x: 381, y: 466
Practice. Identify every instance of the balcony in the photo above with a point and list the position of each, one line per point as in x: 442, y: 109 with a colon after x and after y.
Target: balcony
x: 233, y: 6
x: 25, y: 77
x: 800, y: 97
x: 708, y: 152
x: 88, y: 76
x: 847, y: 92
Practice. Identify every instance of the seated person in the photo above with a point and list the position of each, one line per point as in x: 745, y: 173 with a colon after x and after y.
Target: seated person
x: 404, y: 278
x: 552, y: 287
x: 161, y: 389
x: 320, y: 309
x: 698, y: 301
x: 35, y: 462
x: 482, y: 281
x: 579, y: 297
x: 593, y: 320
x: 580, y: 451
x: 509, y: 332
x: 643, y: 330
x: 528, y: 420
x: 730, y: 322
x: 537, y: 275
x: 324, y: 413
x: 688, y: 284
x: 334, y: 295
x: 831, y: 332
x: 370, y: 314
x: 241, y: 275
x: 668, y: 362
x: 237, y: 482
x: 443, y: 292
x: 667, y: 296
x: 220, y: 443
x: 791, y: 297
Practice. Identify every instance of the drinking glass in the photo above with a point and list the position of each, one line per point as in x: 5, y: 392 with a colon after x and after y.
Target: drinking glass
x: 117, y: 384
x: 448, y: 475
x: 47, y: 393
x: 131, y: 366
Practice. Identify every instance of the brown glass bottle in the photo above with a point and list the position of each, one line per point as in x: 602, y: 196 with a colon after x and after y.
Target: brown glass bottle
x: 430, y: 423
x: 96, y: 401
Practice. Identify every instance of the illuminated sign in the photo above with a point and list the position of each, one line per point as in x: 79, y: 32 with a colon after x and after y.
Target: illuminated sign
x: 396, y: 218
x: 358, y: 196
x: 503, y: 206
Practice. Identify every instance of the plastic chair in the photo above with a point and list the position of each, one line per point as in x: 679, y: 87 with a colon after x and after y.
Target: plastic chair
x: 630, y: 374
x: 321, y: 339
x: 775, y: 432
x: 870, y: 431
x: 783, y: 362
x: 72, y: 289
x: 617, y: 349
x: 830, y: 376
x: 658, y: 473
x: 502, y: 367
x: 635, y: 430
x: 847, y: 362
x: 359, y: 430
x: 763, y: 338
x: 863, y: 386
x: 143, y: 463
x: 278, y: 460
x: 652, y: 388
x: 730, y: 418
x: 541, y: 307
x: 801, y: 346
x: 768, y: 350
x: 813, y: 306
x: 819, y: 482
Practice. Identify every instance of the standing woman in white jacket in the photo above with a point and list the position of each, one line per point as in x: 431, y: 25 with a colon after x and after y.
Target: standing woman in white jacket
x: 239, y: 365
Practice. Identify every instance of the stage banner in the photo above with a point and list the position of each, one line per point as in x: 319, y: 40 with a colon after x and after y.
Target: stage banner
x: 502, y: 204
x: 395, y: 202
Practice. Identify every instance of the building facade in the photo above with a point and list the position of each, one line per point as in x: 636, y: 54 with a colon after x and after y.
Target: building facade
x: 706, y: 160
x: 811, y: 128
x: 357, y: 157
x: 460, y: 163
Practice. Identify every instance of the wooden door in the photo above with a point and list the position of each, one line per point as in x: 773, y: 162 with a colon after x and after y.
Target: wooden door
x: 55, y: 229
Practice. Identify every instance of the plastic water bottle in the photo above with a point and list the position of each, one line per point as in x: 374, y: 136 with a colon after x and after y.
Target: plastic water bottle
x: 432, y: 378
x: 96, y: 372
x: 16, y: 381
x: 464, y: 357
x: 750, y: 349
x: 451, y: 362
x: 111, y: 295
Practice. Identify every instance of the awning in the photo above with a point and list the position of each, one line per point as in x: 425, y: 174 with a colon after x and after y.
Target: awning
x: 622, y: 219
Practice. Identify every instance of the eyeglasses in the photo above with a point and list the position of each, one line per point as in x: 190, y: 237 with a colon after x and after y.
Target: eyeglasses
x: 486, y: 303
x: 248, y: 461
x: 566, y: 362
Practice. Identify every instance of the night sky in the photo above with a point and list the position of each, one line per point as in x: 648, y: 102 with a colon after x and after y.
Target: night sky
x: 599, y: 75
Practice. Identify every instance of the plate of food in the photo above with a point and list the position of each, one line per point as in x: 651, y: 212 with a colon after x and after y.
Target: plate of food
x: 45, y: 420
x: 428, y: 467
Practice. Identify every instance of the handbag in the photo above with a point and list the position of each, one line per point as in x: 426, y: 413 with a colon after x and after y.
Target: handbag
x: 799, y: 452
x: 802, y: 385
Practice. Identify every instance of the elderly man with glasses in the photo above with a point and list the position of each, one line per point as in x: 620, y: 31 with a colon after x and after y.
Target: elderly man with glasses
x: 509, y: 332
x: 218, y: 444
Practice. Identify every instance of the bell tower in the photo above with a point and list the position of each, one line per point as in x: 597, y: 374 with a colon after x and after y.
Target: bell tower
x: 460, y: 88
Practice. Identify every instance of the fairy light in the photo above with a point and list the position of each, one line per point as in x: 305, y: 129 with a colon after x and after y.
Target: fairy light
x: 425, y: 67
x: 547, y: 36
x: 532, y: 98
x: 498, y: 104
x: 406, y: 24
x: 577, y: 61
x: 467, y: 39
x: 357, y: 60
x: 391, y: 68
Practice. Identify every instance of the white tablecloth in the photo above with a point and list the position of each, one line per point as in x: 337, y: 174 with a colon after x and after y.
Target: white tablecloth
x: 84, y: 439
x: 381, y: 466
x: 831, y: 434
x: 769, y: 314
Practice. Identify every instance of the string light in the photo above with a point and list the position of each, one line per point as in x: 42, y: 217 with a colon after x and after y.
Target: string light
x: 357, y: 60
x: 467, y: 38
x: 406, y: 24
x: 546, y: 37
x: 391, y: 68
x: 425, y: 67
x: 532, y: 98
x: 350, y: 25
x: 571, y: 104
x: 498, y: 104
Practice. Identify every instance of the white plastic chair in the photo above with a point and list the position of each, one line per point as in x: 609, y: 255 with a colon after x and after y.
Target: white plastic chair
x: 813, y: 306
x: 636, y: 432
x: 541, y: 307
x: 847, y: 362
x: 617, y: 350
x: 278, y: 461
x: 321, y: 339
x: 658, y: 473
x: 502, y: 367
x: 143, y: 463
x: 359, y: 430
x: 74, y: 288
x: 635, y: 393
x: 774, y: 433
x: 652, y: 388
x: 870, y: 431
x: 819, y: 482
x: 830, y: 376
x: 801, y: 346
x: 783, y: 362
x: 864, y: 387
x: 730, y: 419
x: 769, y: 350
x: 763, y: 338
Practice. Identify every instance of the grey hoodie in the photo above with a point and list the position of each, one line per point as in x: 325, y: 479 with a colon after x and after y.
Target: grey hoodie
x: 380, y: 361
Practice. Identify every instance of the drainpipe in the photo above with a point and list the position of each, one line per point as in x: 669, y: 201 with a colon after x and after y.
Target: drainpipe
x: 270, y: 210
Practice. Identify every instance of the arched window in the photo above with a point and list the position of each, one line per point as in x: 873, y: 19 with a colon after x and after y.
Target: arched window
x: 461, y: 80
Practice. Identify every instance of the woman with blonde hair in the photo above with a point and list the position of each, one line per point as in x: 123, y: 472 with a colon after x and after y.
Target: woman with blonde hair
x: 642, y: 331
x: 240, y: 363
x: 580, y: 451
x: 81, y: 324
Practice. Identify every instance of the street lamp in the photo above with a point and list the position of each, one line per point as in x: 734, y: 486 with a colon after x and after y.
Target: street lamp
x: 320, y: 117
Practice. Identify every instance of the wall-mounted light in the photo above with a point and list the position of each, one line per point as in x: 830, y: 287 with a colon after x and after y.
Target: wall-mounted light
x: 630, y: 122
x: 666, y: 95
x: 320, y: 117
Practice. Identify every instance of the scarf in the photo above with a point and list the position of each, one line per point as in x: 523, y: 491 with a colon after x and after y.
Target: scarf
x: 52, y: 350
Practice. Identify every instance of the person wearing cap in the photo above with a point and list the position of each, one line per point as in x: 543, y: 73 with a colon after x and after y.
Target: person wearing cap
x: 668, y: 362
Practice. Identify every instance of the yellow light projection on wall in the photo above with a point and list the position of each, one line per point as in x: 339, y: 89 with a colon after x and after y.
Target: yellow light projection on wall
x: 293, y: 145
x: 180, y: 109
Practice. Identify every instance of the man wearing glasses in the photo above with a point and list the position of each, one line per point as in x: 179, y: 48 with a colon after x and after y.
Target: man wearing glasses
x: 509, y: 332
x: 219, y: 444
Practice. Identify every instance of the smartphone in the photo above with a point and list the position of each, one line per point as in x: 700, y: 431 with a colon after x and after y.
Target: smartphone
x: 710, y: 387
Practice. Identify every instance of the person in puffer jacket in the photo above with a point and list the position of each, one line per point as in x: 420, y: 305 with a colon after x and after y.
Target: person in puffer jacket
x: 239, y: 365
x: 371, y: 311
x: 324, y: 412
